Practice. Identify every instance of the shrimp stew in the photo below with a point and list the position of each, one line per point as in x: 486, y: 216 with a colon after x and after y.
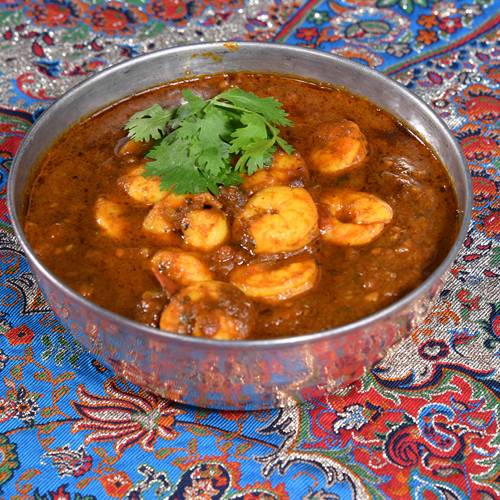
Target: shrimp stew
x: 355, y: 218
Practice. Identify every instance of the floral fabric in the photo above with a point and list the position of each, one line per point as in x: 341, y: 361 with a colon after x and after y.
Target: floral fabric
x: 423, y: 424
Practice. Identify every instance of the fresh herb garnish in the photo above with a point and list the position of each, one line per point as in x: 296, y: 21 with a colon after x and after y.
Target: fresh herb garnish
x: 210, y: 142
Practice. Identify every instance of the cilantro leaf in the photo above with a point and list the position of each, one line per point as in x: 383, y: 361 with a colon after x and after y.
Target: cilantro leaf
x: 256, y: 155
x: 213, y: 129
x: 150, y: 123
x: 253, y: 128
x: 174, y: 166
x: 268, y: 107
x: 211, y: 142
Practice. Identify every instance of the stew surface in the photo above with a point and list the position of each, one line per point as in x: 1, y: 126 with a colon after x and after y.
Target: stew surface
x: 366, y: 212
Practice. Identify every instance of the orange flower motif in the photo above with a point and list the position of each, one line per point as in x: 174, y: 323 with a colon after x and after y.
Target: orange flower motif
x: 116, y: 484
x: 484, y: 190
x: 57, y: 13
x: 20, y: 335
x: 479, y: 103
x: 427, y: 37
x: 177, y: 12
x: 307, y: 34
x: 115, y: 19
x: 428, y: 21
x: 224, y: 4
x: 492, y: 71
x: 489, y: 224
x: 479, y: 144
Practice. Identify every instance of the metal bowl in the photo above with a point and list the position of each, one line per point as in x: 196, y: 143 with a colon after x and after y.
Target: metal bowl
x: 236, y: 374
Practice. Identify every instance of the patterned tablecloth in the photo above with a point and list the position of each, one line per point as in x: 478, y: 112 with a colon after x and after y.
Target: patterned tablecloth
x: 424, y: 424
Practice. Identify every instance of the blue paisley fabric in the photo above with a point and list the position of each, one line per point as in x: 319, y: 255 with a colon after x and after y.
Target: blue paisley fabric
x: 424, y: 424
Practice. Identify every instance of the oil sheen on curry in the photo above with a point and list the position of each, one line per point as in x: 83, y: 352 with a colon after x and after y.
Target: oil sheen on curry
x: 358, y: 216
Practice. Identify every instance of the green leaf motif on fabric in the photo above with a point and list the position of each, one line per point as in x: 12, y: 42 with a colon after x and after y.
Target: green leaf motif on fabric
x: 318, y: 17
x: 41, y: 376
x: 48, y: 412
x: 164, y: 452
x: 17, y: 372
x: 199, y: 431
x: 79, y: 33
x: 46, y: 340
x: 407, y: 37
x: 47, y: 429
x: 386, y: 3
x: 495, y: 259
x: 10, y: 18
x: 61, y: 391
x: 9, y: 462
x: 407, y: 5
x: 242, y: 448
x: 152, y: 29
x: 66, y: 349
x: 63, y: 377
x: 202, y: 413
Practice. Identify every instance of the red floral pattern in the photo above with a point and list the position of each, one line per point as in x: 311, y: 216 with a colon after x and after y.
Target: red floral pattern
x: 480, y: 104
x: 177, y: 12
x: 125, y: 417
x: 20, y: 335
x: 115, y: 19
x: 479, y: 144
x: 57, y: 13
x: 224, y: 4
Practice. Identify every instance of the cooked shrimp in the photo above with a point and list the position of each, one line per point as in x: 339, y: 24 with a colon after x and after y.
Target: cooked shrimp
x: 143, y: 189
x: 205, y: 230
x: 337, y: 146
x: 180, y: 267
x: 354, y: 218
x: 198, y: 218
x: 286, y: 170
x: 160, y: 221
x: 210, y: 309
x: 109, y: 216
x: 269, y: 283
x: 278, y: 219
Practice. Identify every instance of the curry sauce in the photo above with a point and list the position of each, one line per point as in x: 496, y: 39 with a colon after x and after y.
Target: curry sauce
x: 90, y: 232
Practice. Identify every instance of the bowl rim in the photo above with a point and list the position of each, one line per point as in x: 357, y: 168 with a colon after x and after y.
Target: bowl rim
x: 464, y: 211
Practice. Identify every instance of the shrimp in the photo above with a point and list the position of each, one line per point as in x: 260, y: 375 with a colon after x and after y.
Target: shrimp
x: 210, y: 309
x: 109, y: 216
x: 286, y: 170
x: 277, y: 219
x: 160, y: 221
x: 205, y: 229
x: 337, y: 146
x: 271, y: 284
x: 354, y: 218
x: 194, y: 221
x: 142, y: 189
x: 179, y: 267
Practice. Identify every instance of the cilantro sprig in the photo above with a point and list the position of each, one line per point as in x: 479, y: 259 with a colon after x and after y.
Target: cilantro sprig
x: 210, y: 142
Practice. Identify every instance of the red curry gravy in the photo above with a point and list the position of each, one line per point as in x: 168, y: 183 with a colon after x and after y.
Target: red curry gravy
x: 354, y: 281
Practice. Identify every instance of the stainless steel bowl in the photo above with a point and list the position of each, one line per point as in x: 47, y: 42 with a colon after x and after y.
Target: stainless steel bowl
x: 243, y: 374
